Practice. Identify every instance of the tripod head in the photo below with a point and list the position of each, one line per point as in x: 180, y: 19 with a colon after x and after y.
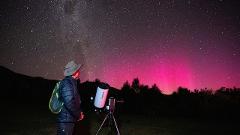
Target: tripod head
x: 111, y: 104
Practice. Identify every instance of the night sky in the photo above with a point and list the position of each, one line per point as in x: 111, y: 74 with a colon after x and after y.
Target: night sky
x: 188, y: 43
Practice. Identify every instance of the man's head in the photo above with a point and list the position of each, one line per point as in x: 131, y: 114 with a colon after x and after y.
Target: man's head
x: 76, y: 75
x: 72, y: 69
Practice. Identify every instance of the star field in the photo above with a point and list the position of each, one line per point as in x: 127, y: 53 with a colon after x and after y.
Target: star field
x: 188, y: 43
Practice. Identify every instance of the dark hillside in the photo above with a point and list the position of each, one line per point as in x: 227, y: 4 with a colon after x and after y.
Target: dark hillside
x: 23, y: 88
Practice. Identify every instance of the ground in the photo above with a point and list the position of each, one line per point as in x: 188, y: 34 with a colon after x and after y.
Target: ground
x: 29, y: 120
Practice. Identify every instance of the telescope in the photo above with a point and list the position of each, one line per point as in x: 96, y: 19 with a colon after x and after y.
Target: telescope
x: 100, y: 101
x: 101, y: 95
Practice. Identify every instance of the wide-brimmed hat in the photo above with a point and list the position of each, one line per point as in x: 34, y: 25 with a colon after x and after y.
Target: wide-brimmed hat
x: 71, y: 68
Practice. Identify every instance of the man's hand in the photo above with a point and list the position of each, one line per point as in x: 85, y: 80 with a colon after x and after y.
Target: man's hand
x: 81, y: 117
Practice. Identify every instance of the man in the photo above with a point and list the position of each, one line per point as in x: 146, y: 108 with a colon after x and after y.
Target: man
x: 71, y: 111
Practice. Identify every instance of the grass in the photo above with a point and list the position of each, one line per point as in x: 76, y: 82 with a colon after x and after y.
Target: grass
x: 26, y: 121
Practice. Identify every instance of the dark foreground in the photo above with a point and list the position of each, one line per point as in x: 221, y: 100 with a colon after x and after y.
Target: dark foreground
x: 29, y: 120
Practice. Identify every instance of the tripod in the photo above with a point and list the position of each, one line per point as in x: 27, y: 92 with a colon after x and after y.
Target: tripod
x: 111, y: 118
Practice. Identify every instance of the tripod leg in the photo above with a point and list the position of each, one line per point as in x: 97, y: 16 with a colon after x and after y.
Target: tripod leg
x: 102, y: 124
x: 115, y: 124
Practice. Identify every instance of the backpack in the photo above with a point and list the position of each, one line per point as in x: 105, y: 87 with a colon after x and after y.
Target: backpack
x: 55, y: 103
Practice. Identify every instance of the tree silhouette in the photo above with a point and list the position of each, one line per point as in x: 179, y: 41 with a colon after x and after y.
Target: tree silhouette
x: 136, y: 85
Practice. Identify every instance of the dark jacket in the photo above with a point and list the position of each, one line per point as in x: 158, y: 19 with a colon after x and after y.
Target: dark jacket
x: 71, y: 98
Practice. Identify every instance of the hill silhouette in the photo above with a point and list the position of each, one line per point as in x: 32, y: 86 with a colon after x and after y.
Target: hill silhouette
x: 138, y: 98
x: 26, y: 89
x: 15, y: 86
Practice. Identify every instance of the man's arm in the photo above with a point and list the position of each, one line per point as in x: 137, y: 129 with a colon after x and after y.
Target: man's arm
x: 68, y: 99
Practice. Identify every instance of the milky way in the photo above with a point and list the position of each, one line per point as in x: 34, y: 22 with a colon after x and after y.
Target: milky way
x: 172, y: 43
